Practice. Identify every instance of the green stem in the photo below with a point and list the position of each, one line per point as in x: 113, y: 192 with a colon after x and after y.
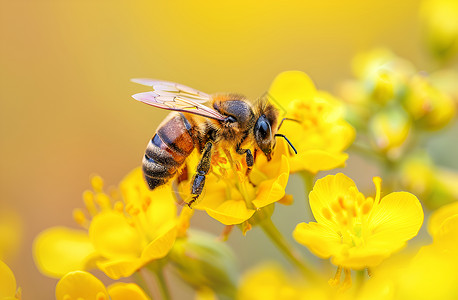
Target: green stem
x: 286, y: 249
x: 163, y: 287
x: 140, y: 280
x: 308, y: 179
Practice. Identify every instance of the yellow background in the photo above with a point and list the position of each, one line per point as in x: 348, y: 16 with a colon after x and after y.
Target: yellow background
x: 66, y: 110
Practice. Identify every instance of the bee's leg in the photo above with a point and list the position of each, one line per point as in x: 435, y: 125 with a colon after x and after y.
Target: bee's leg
x: 202, y: 169
x: 248, y: 158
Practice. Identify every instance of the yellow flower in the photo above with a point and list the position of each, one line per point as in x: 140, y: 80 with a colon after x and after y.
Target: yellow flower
x: 440, y: 23
x: 429, y: 107
x: 8, y: 288
x: 59, y: 250
x: 435, y: 186
x: 381, y: 78
x: 355, y: 231
x: 430, y: 274
x: 418, y: 174
x: 271, y: 282
x: 230, y: 196
x: 80, y: 285
x: 382, y: 64
x: 322, y: 134
x: 389, y: 129
x: 439, y: 217
x: 121, y: 237
x: 145, y: 231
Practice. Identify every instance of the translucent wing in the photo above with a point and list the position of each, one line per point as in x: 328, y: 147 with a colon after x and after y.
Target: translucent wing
x: 166, y: 88
x: 172, y: 101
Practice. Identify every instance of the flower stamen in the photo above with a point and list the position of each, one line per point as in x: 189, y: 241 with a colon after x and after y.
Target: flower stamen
x: 80, y: 218
x: 97, y: 184
x: 88, y: 199
x: 336, y: 280
x: 378, y: 186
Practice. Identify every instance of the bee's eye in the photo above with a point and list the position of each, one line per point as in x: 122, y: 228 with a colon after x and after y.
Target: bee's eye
x: 263, y: 129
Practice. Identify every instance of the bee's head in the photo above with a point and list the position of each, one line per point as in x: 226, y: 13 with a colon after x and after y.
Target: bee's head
x: 264, y: 136
x: 266, y: 127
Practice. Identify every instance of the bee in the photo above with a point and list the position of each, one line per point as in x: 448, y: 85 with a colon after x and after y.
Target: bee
x: 229, y: 121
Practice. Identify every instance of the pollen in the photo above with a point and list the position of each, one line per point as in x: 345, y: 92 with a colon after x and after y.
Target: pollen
x: 327, y: 213
x: 118, y: 206
x: 335, y: 206
x: 145, y: 206
x: 132, y: 210
x: 349, y: 211
x: 341, y: 202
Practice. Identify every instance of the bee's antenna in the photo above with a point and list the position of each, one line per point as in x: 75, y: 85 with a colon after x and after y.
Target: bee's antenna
x: 286, y: 119
x: 281, y: 135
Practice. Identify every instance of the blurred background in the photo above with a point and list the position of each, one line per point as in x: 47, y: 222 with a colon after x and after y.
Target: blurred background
x: 65, y: 105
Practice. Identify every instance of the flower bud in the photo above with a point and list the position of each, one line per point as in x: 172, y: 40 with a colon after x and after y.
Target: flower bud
x: 205, y: 262
x: 440, y: 26
x: 430, y: 108
x: 435, y: 186
x: 417, y: 173
x: 389, y: 128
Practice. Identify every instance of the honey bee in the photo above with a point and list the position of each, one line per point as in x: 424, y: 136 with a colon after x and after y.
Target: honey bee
x: 229, y: 122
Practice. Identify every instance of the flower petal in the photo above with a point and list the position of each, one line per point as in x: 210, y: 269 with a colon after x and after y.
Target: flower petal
x: 80, y: 285
x: 161, y: 210
x: 113, y: 237
x: 59, y: 250
x: 321, y: 240
x: 7, y: 282
x: 440, y: 215
x: 273, y: 190
x: 160, y: 203
x: 160, y: 246
x: 358, y: 258
x: 123, y: 291
x: 231, y: 212
x: 117, y: 268
x: 317, y: 160
x: 325, y: 191
x: 396, y: 219
x: 120, y: 266
x: 445, y: 236
x: 291, y: 85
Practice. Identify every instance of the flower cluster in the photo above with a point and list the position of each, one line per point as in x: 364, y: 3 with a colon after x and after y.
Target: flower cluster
x: 120, y: 237
x: 395, y: 109
x: 396, y: 101
x: 232, y: 197
x: 320, y: 132
x: 355, y: 245
x: 131, y: 231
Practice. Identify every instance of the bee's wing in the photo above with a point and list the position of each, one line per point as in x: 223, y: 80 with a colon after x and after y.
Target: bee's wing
x: 166, y: 88
x: 177, y: 102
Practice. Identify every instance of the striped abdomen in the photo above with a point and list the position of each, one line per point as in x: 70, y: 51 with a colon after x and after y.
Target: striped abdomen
x: 167, y: 150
